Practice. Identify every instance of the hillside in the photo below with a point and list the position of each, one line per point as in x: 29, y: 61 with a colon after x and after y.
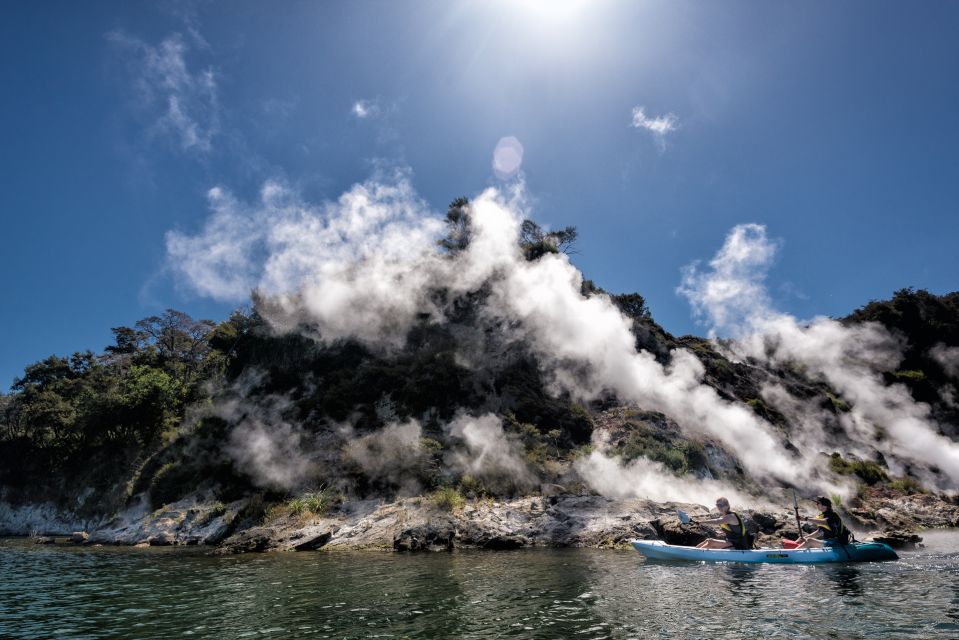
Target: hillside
x: 264, y: 415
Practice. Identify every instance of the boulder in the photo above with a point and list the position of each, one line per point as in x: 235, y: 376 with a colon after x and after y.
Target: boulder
x: 673, y: 531
x: 503, y: 542
x: 767, y: 523
x: 900, y: 540
x: 164, y: 539
x: 44, y: 540
x: 312, y: 542
x: 431, y: 536
x: 79, y: 537
x: 251, y: 540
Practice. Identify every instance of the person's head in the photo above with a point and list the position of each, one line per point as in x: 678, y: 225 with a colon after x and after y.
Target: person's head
x: 825, y: 504
x: 723, y: 505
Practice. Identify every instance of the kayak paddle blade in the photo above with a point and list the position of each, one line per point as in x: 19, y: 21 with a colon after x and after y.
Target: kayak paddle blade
x: 682, y: 516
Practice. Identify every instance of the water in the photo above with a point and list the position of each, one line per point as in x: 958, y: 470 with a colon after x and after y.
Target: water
x: 70, y: 592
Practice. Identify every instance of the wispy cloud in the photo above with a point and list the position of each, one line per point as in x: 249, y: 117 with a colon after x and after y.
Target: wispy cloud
x: 658, y: 126
x: 732, y: 294
x: 364, y: 109
x: 178, y: 101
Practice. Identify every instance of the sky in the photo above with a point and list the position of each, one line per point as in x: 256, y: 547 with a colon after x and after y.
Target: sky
x: 653, y: 127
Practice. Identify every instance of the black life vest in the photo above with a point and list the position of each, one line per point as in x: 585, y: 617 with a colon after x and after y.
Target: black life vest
x: 737, y: 536
x: 833, y: 529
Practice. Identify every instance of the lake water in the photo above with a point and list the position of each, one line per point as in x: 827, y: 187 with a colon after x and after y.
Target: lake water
x: 73, y: 592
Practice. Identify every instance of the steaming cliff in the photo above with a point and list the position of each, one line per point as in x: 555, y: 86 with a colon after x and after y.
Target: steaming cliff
x: 392, y: 363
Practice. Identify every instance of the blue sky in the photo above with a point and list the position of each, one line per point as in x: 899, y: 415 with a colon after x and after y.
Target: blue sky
x: 833, y: 124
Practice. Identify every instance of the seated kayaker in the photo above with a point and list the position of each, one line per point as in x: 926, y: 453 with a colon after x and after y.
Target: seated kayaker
x: 830, y: 530
x: 732, y: 525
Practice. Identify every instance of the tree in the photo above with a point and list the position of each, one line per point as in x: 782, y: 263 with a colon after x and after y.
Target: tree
x: 535, y: 242
x: 458, y: 226
x: 180, y: 343
x: 127, y: 341
x: 631, y: 304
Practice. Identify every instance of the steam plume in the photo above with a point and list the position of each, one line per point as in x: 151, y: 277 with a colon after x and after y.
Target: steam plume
x: 731, y: 297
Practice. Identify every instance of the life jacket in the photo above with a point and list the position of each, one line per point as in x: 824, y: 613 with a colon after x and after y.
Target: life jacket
x: 738, y: 536
x: 833, y: 529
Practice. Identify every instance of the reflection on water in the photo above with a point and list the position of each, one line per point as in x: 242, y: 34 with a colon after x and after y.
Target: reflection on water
x: 88, y: 593
x: 846, y: 579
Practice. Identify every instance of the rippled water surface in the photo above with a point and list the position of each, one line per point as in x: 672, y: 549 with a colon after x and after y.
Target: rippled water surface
x: 73, y: 592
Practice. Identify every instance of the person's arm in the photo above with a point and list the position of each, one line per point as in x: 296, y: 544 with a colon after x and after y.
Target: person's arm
x: 726, y: 519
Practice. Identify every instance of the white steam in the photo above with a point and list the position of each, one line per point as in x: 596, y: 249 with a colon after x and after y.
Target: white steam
x: 263, y: 444
x: 733, y: 300
x: 644, y: 478
x: 365, y: 266
x: 488, y: 455
x: 392, y: 455
x: 948, y: 359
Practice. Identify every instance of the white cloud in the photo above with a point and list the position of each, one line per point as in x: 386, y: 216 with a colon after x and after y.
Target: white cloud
x: 180, y: 102
x: 732, y: 296
x: 658, y: 126
x: 364, y: 109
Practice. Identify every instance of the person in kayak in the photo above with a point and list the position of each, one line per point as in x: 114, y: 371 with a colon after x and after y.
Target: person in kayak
x: 830, y: 529
x: 732, y: 525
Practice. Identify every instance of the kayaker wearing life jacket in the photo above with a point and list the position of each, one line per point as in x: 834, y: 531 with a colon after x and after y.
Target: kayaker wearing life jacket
x: 732, y: 525
x: 830, y: 529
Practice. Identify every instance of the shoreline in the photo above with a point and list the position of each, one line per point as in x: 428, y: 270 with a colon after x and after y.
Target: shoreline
x: 416, y: 524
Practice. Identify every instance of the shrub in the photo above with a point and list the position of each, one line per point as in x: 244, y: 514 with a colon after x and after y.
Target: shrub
x: 679, y: 455
x: 907, y: 485
x: 869, y: 472
x: 838, y: 404
x: 315, y: 503
x: 910, y: 375
x: 447, y: 499
x: 472, y: 487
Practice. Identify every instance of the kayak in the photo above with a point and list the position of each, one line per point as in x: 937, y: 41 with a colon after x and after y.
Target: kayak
x: 855, y: 552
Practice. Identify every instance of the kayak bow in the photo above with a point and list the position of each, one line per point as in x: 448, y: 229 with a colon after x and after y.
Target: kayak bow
x: 856, y: 552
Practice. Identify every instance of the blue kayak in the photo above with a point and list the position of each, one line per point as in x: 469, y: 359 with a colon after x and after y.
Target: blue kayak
x: 855, y: 552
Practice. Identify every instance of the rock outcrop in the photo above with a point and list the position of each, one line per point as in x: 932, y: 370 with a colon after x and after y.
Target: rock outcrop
x: 564, y: 520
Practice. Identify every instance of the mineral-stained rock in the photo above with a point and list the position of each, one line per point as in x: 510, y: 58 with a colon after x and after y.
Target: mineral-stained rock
x: 502, y: 542
x: 164, y: 539
x: 766, y: 522
x: 900, y: 539
x: 311, y: 542
x: 673, y: 531
x: 430, y: 536
x: 250, y: 540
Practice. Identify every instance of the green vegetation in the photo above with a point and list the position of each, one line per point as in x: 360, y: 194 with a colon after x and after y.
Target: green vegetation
x: 317, y: 503
x: 838, y: 404
x: 907, y: 485
x: 869, y: 472
x: 910, y: 375
x: 447, y: 498
x: 676, y: 453
x: 131, y: 421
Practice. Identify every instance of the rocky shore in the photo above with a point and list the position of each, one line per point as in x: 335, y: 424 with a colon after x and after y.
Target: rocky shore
x: 418, y: 524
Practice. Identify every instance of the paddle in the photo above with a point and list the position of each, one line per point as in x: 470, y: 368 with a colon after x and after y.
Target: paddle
x: 685, y: 519
x: 798, y: 523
